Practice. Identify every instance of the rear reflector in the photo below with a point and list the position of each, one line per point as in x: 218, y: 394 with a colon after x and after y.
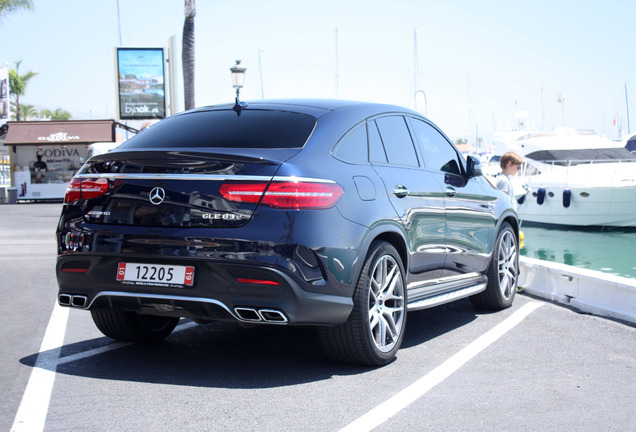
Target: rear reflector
x: 257, y: 281
x: 284, y: 195
x: 85, y: 189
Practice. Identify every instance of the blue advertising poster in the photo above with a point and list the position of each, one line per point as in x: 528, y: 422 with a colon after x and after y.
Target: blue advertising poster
x: 141, y: 83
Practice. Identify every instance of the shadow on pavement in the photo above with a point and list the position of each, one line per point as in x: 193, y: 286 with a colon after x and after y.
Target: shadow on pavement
x: 227, y: 355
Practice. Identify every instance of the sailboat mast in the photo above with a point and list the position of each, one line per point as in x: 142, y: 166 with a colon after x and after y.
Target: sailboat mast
x: 337, y: 68
x: 627, y: 106
x: 415, y: 71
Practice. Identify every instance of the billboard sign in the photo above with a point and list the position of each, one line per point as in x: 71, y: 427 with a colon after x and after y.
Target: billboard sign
x: 4, y: 95
x: 141, y: 85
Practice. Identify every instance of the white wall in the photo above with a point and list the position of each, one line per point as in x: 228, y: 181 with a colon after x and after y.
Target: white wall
x: 588, y: 291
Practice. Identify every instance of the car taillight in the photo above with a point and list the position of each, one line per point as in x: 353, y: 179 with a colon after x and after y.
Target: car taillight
x: 243, y: 192
x: 284, y: 195
x: 85, y: 189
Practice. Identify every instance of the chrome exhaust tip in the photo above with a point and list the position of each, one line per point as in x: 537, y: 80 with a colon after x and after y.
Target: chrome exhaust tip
x: 247, y: 314
x: 79, y: 301
x: 272, y: 316
x: 64, y: 299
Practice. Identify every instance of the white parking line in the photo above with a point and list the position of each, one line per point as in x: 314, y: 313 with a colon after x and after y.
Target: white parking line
x: 93, y: 352
x: 33, y: 409
x: 410, y: 394
x: 31, y: 414
x: 112, y: 346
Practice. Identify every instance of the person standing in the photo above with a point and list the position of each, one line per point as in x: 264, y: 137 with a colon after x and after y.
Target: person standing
x: 510, y: 163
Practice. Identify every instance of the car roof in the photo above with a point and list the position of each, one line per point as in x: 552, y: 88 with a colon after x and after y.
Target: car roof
x: 316, y: 107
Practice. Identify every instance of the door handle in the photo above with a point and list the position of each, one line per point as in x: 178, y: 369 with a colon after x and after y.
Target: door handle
x: 451, y: 192
x: 400, y: 191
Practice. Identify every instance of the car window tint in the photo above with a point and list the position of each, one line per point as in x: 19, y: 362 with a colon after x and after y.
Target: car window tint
x: 376, y: 149
x: 353, y: 147
x: 397, y: 140
x: 438, y: 153
x: 250, y: 129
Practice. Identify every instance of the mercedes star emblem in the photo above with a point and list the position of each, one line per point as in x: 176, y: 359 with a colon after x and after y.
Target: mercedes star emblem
x: 157, y: 195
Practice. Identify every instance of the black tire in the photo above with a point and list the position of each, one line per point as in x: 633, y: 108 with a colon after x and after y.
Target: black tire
x: 374, y: 331
x: 133, y: 327
x: 503, y: 273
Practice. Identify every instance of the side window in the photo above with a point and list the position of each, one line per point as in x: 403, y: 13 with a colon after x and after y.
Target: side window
x: 531, y: 169
x: 438, y: 153
x: 353, y: 147
x: 397, y: 140
x: 376, y: 149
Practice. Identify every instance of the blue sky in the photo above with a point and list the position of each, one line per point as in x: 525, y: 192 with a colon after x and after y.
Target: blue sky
x: 478, y: 61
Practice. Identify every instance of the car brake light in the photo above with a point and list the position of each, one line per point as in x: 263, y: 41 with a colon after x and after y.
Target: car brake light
x: 284, y: 195
x: 243, y: 192
x: 85, y: 189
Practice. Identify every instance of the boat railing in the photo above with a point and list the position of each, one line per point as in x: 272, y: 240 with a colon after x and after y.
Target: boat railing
x: 569, y: 163
x: 548, y: 168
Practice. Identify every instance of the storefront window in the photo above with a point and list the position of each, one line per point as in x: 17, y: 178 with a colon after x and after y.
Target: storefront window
x: 5, y: 169
x: 43, y: 171
x: 46, y: 154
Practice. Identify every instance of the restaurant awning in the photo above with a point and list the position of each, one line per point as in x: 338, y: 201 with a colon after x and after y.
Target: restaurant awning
x: 57, y: 132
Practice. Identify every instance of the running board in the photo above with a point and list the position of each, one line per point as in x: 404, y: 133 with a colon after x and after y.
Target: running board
x: 445, y: 297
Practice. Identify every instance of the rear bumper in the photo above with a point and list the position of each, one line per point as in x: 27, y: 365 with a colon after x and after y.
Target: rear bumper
x: 215, y: 295
x: 310, y: 256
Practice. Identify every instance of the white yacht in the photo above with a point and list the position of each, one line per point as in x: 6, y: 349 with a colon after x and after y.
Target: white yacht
x: 573, y: 177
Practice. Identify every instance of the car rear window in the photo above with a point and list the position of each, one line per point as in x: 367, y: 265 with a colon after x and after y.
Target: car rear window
x: 250, y: 129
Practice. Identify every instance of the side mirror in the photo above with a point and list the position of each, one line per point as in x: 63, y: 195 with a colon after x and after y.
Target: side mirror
x: 473, y: 167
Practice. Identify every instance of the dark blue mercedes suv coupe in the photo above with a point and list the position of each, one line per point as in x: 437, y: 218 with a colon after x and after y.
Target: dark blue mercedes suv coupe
x: 335, y: 214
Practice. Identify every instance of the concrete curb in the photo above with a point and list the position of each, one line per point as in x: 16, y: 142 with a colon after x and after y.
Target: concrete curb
x: 587, y: 291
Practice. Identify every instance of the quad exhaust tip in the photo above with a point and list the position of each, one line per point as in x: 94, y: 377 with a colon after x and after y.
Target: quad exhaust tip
x: 271, y: 316
x: 78, y: 301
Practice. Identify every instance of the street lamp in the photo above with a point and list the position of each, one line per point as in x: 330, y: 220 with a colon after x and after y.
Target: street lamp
x: 238, y: 76
x: 421, y: 92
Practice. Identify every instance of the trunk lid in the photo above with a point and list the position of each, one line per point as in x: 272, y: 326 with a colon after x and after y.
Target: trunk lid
x: 173, y: 188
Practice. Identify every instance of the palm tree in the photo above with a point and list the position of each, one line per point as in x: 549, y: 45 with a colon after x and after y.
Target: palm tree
x: 187, y: 55
x: 58, y: 114
x: 9, y: 6
x: 17, y: 86
x: 27, y: 111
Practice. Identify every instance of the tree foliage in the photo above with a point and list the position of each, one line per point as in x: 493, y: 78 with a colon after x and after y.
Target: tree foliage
x: 9, y: 6
x: 27, y: 111
x: 17, y: 86
x: 58, y: 114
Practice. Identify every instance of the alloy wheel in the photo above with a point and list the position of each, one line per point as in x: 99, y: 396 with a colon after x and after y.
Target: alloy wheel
x: 386, y: 303
x: 507, y: 263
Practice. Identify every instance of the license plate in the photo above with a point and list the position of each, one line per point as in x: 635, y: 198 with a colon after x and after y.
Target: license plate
x: 155, y: 274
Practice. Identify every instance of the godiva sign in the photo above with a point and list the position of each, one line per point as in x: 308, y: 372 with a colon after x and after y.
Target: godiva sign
x: 59, y: 137
x: 54, y: 132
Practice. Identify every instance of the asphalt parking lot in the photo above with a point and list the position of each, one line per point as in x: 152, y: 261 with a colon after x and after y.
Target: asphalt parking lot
x: 536, y: 366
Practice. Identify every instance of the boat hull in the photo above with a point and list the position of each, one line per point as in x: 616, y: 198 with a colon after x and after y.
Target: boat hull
x: 588, y: 206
